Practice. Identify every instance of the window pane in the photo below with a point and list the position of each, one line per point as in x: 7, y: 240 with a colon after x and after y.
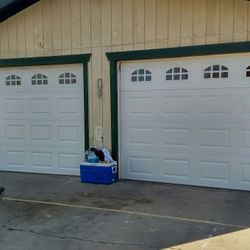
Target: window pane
x: 224, y: 68
x: 216, y: 75
x: 134, y: 78
x: 33, y: 82
x: 18, y: 82
x: 216, y: 67
x: 168, y: 77
x: 176, y: 77
x: 248, y: 74
x: 177, y: 70
x: 184, y: 77
x: 45, y: 82
x: 67, y: 81
x: 208, y: 69
x: 39, y: 82
x: 8, y: 83
x: 148, y: 78
x: 141, y: 71
x: 170, y: 71
x: 66, y: 75
x: 224, y: 74
x: 134, y: 73
x: 207, y: 75
x: 141, y: 78
x: 61, y: 81
x: 13, y: 77
x: 73, y: 80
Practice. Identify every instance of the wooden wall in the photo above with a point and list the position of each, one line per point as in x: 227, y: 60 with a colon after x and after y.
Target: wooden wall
x: 62, y: 27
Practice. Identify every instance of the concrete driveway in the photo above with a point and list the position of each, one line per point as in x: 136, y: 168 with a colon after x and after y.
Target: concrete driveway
x: 45, y: 212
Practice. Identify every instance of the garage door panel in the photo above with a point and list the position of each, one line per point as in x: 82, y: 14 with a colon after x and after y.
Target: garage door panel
x: 216, y: 104
x: 176, y: 169
x: 15, y: 132
x: 41, y: 159
x: 14, y: 106
x: 139, y: 166
x: 41, y: 105
x: 15, y: 157
x: 176, y: 137
x: 245, y: 172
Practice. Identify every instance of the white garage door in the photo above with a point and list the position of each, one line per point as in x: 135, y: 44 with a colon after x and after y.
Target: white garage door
x: 187, y: 121
x: 41, y: 119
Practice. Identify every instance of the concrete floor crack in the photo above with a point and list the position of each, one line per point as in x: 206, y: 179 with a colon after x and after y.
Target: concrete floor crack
x: 76, y: 238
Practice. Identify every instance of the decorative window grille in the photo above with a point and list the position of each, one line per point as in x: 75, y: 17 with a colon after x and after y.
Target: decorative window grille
x: 177, y: 74
x: 216, y: 71
x: 141, y: 75
x: 13, y: 80
x: 39, y: 79
x: 67, y: 78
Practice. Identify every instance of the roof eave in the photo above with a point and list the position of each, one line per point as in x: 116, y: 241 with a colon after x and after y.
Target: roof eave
x: 15, y: 7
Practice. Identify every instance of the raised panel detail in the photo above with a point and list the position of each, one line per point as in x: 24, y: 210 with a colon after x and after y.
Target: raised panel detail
x: 175, y: 168
x: 16, y: 132
x: 140, y: 105
x: 141, y: 165
x: 215, y: 138
x: 216, y: 104
x: 14, y: 106
x: 16, y: 157
x: 176, y: 105
x: 42, y: 159
x: 41, y: 132
x: 40, y: 105
x: 68, y: 160
x: 176, y: 137
x: 247, y: 104
x: 68, y: 105
x: 69, y: 133
x: 246, y: 138
x: 214, y: 170
x: 141, y: 136
x: 245, y: 172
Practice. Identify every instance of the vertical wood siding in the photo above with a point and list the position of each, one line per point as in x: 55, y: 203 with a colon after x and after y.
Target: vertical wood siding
x: 62, y: 27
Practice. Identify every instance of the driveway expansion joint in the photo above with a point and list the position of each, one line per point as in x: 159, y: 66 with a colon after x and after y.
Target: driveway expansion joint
x: 111, y: 210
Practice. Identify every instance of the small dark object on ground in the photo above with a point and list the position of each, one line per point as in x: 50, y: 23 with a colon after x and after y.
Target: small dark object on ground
x: 1, y: 192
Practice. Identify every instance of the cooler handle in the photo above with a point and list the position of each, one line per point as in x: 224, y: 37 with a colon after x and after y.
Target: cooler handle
x: 114, y: 169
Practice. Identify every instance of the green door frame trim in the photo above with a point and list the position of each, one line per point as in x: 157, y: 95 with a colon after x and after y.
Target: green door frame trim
x: 55, y: 60
x: 115, y: 57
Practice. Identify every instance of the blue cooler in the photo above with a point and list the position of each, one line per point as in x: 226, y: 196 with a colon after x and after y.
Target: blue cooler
x: 100, y: 173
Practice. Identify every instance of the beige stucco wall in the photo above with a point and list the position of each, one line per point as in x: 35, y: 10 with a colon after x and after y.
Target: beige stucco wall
x: 62, y: 27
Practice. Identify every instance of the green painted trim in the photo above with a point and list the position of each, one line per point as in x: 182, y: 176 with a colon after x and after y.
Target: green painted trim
x: 49, y: 60
x: 114, y: 110
x: 14, y: 7
x: 201, y: 50
x: 114, y: 57
x: 86, y: 105
x: 55, y: 60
